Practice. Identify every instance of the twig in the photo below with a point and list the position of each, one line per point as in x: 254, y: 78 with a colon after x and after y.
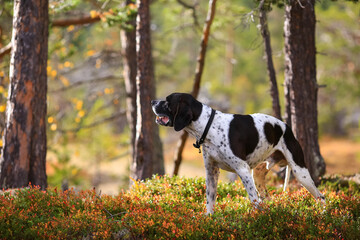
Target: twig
x: 193, y: 8
x: 75, y: 21
x: 59, y: 23
x: 5, y: 50
x: 79, y: 83
x: 98, y: 196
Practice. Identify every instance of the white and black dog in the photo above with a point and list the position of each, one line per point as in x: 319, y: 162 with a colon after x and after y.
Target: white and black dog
x: 234, y: 142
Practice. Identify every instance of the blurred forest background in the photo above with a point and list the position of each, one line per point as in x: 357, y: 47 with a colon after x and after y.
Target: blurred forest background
x: 87, y: 133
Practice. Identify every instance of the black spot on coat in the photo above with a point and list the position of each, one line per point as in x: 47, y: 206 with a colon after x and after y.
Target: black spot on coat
x: 272, y: 133
x: 243, y: 135
x: 294, y: 147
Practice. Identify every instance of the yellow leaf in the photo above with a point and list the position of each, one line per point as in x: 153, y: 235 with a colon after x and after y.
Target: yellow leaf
x: 93, y: 14
x: 132, y: 6
x: 90, y: 53
x: 79, y: 105
x: 63, y: 50
x: 77, y: 153
x: 50, y: 119
x: 64, y: 81
x: 81, y: 113
x: 68, y: 64
x: 70, y: 28
x: 136, y: 183
x: 2, y: 74
x: 77, y: 120
x: 109, y: 90
x: 1, y: 142
x: 48, y: 69
x: 2, y: 89
x: 53, y: 73
x: 74, y: 171
x: 98, y: 63
x: 53, y: 127
x: 2, y: 108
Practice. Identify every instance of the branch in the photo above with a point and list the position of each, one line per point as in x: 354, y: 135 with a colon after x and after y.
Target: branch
x: 78, y: 83
x: 75, y: 21
x: 5, y: 50
x: 203, y: 47
x: 95, y: 123
x: 193, y: 8
x: 59, y: 23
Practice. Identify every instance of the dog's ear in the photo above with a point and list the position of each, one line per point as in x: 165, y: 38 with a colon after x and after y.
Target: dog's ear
x: 182, y: 117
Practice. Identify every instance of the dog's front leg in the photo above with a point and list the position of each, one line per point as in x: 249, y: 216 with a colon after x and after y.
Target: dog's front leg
x: 212, y: 176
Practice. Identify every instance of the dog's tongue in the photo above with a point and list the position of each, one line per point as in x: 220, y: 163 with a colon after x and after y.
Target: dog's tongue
x: 163, y: 120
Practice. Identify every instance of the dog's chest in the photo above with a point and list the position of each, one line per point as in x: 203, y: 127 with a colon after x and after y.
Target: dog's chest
x: 217, y: 143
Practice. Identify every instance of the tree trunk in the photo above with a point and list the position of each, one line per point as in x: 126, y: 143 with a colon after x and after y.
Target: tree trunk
x: 198, y: 73
x: 270, y: 65
x: 128, y: 45
x: 23, y: 158
x: 300, y: 80
x: 148, y: 149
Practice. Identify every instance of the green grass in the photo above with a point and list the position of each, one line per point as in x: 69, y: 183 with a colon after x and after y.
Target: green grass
x: 173, y: 208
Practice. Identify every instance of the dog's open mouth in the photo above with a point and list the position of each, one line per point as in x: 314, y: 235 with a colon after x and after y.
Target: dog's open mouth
x: 162, y: 120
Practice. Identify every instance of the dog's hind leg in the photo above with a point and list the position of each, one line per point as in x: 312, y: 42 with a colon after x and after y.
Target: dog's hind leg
x: 261, y: 170
x: 259, y: 173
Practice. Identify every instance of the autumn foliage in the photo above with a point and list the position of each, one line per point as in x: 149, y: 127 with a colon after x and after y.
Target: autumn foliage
x: 170, y: 208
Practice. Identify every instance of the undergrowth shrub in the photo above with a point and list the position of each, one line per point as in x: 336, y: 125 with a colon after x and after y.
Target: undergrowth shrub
x: 174, y: 208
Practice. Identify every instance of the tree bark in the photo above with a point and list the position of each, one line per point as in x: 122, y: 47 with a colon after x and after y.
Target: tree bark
x: 145, y: 164
x: 198, y: 73
x: 300, y: 80
x: 23, y: 157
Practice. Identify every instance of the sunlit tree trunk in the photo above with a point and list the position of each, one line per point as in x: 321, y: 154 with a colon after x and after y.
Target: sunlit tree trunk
x: 300, y: 80
x: 148, y: 149
x: 128, y: 45
x: 23, y: 157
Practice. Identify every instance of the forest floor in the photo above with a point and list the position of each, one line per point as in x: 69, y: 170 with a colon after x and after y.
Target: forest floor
x: 342, y: 156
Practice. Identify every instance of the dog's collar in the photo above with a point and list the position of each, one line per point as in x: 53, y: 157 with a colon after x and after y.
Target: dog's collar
x: 202, y: 139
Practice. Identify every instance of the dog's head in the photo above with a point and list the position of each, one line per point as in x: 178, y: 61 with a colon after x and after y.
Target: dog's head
x: 178, y: 110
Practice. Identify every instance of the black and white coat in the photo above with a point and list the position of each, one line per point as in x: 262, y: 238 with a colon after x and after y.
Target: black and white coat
x: 234, y: 142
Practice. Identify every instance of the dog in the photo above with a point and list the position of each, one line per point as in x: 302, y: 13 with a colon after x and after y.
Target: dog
x: 235, y: 143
